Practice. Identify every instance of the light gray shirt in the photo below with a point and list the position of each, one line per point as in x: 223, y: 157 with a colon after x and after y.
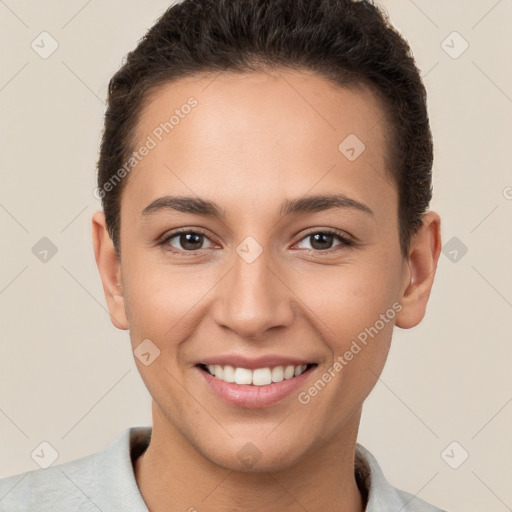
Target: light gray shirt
x: 105, y: 481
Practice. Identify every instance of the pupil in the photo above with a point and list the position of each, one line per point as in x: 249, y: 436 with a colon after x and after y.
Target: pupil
x: 321, y: 238
x: 189, y: 239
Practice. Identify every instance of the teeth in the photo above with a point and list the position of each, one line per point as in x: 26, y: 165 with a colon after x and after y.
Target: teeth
x: 242, y: 376
x: 277, y: 374
x: 219, y: 371
x: 257, y: 377
x: 228, y: 374
x: 298, y: 370
x: 289, y: 372
x: 262, y: 377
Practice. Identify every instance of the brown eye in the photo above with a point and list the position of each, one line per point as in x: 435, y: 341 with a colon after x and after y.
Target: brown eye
x: 187, y: 241
x: 324, y: 240
x: 321, y: 241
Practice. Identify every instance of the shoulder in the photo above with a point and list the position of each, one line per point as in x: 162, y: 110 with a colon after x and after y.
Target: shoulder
x: 55, y: 488
x: 101, y: 480
x: 382, y: 496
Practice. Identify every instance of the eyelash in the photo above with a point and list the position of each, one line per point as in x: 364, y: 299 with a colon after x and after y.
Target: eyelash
x: 345, y: 241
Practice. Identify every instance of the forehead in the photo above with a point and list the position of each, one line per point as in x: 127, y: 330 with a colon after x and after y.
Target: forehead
x: 280, y: 131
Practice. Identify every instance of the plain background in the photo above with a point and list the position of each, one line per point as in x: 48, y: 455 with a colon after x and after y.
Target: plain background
x: 68, y: 376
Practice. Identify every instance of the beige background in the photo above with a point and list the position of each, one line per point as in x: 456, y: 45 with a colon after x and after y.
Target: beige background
x: 68, y: 376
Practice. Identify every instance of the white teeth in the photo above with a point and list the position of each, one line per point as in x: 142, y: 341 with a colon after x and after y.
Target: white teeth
x: 229, y: 374
x: 219, y: 372
x: 277, y: 374
x: 257, y: 377
x: 262, y: 377
x: 242, y: 376
x: 289, y: 372
x: 298, y: 370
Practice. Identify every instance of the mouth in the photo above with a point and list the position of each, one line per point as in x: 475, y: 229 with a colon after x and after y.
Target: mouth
x: 264, y: 376
x: 254, y: 382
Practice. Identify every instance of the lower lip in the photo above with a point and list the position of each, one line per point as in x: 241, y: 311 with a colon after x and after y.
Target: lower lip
x: 251, y: 396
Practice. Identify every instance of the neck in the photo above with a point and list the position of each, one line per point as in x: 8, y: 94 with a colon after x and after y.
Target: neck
x: 173, y: 476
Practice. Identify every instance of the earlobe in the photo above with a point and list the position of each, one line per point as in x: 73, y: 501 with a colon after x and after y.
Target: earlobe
x: 419, y: 271
x: 110, y: 270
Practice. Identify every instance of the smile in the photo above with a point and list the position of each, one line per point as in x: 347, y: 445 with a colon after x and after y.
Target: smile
x: 254, y: 388
x: 257, y: 376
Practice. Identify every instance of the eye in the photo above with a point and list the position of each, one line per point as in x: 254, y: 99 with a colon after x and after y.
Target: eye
x: 192, y: 241
x: 323, y: 240
x: 186, y: 241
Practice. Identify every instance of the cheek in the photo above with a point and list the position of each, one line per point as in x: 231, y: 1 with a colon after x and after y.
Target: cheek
x: 162, y: 299
x: 353, y: 308
x: 350, y: 298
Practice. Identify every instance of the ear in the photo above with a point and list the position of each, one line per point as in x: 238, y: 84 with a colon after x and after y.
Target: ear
x: 110, y: 270
x: 419, y: 271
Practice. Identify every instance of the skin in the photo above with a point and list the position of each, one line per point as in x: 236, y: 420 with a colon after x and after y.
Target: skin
x: 254, y: 140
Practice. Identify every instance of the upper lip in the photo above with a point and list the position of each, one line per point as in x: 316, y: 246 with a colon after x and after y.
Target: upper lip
x: 251, y: 363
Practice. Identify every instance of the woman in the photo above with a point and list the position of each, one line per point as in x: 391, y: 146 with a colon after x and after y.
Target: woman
x: 265, y: 173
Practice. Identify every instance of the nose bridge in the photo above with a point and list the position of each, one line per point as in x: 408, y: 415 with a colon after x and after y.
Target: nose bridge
x: 252, y: 298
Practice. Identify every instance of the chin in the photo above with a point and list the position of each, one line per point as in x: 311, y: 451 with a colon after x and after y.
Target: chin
x: 257, y: 456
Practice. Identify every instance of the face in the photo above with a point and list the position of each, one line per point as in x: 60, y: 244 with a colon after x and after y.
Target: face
x: 254, y: 237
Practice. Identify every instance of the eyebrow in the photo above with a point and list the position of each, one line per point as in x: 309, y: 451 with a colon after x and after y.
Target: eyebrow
x: 302, y: 205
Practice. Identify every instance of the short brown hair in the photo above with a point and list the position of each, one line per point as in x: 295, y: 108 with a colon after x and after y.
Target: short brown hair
x: 346, y: 41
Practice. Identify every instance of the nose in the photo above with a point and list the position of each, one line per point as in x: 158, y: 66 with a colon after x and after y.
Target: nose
x: 253, y: 298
